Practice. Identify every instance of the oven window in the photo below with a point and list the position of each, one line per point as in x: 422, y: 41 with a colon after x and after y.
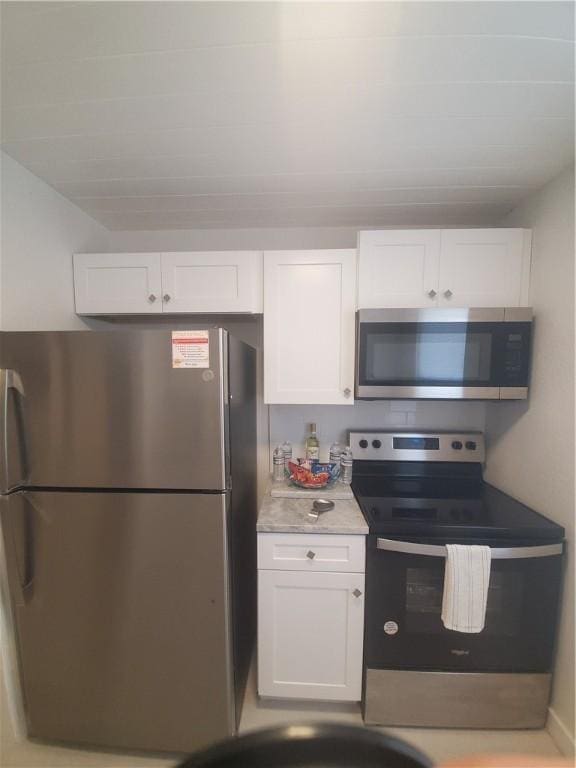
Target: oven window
x: 424, y: 590
x: 441, y: 354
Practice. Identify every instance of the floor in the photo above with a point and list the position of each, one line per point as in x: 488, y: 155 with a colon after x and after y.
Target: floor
x: 438, y: 744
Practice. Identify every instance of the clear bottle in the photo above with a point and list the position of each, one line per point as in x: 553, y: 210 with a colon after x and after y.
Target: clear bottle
x: 346, y: 459
x: 312, y: 446
x: 278, y: 464
x: 287, y: 449
x: 335, y: 453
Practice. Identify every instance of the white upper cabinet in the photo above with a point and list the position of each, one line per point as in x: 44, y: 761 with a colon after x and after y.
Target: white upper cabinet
x: 212, y: 281
x: 145, y: 283
x: 450, y: 267
x: 398, y: 268
x: 309, y: 306
x: 117, y: 283
x: 484, y: 268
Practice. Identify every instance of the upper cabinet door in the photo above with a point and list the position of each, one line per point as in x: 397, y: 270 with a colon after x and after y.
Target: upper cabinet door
x: 398, y: 268
x: 309, y: 326
x: 117, y: 283
x: 485, y: 267
x: 212, y: 281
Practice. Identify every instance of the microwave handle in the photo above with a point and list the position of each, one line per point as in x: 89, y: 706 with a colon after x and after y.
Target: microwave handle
x: 496, y: 553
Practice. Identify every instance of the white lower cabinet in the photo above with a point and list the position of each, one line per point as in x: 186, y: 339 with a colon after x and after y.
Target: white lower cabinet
x: 310, y: 632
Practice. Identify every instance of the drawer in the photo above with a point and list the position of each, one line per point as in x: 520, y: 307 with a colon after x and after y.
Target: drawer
x: 311, y: 552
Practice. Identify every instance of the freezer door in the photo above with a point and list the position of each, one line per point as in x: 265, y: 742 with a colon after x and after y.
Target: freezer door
x: 121, y: 606
x: 108, y: 410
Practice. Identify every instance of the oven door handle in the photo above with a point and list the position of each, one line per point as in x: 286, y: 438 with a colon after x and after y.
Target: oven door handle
x: 496, y: 553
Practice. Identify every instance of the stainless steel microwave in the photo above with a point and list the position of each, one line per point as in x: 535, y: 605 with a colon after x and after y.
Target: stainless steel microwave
x: 443, y: 354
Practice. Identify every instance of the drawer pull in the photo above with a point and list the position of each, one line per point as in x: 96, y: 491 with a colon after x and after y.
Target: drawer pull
x: 356, y: 593
x: 310, y: 555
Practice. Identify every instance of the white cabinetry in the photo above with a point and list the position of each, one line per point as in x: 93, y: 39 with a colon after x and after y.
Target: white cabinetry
x: 450, y: 267
x: 214, y: 281
x: 310, y: 616
x: 144, y: 283
x: 309, y: 306
x: 484, y: 268
x: 398, y: 268
x: 117, y: 283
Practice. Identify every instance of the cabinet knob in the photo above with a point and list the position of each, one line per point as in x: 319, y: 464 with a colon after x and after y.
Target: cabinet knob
x: 447, y: 293
x: 432, y: 293
x: 356, y: 593
x: 166, y: 297
x: 151, y: 298
x: 310, y: 555
x: 347, y: 392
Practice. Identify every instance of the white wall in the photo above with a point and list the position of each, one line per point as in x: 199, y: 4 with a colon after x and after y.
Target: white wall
x: 40, y: 232
x: 234, y: 239
x: 531, y: 445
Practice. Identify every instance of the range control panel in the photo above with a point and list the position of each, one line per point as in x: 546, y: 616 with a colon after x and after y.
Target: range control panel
x: 375, y: 445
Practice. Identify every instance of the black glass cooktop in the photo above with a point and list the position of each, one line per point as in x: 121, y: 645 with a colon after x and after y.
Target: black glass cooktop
x: 442, y: 501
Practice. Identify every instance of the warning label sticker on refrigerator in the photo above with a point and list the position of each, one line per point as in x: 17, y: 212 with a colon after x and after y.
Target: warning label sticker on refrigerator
x: 190, y: 349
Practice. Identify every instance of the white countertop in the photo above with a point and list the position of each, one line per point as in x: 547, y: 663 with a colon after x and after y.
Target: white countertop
x: 290, y: 515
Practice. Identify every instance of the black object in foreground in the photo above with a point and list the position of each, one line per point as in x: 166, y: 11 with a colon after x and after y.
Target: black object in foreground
x: 315, y: 745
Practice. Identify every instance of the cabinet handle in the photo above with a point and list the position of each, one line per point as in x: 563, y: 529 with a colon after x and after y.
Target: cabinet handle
x: 310, y: 555
x: 166, y: 297
x: 447, y: 293
x: 151, y: 298
x: 356, y: 593
x: 432, y: 293
x: 347, y: 392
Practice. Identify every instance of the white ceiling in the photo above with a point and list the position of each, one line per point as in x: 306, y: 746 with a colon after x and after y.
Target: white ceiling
x: 167, y: 115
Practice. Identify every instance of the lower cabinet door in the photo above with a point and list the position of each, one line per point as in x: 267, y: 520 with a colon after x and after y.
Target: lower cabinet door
x: 310, y: 635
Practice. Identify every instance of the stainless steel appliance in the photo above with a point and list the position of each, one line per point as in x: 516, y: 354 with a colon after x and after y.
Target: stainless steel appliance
x: 128, y: 514
x: 456, y: 354
x: 418, y: 493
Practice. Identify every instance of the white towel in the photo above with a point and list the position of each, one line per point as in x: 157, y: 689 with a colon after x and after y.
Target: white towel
x: 466, y: 581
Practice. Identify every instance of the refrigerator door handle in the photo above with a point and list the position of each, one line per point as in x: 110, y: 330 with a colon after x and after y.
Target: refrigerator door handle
x: 27, y: 575
x: 9, y: 379
x: 9, y: 651
x: 22, y: 547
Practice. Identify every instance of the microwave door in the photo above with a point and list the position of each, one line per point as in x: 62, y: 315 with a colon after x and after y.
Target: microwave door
x: 443, y: 354
x: 431, y: 360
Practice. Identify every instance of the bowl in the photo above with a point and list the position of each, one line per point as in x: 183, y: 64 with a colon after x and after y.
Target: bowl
x: 312, y: 474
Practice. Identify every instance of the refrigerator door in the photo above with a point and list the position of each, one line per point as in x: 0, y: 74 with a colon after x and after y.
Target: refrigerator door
x: 108, y: 410
x: 121, y: 607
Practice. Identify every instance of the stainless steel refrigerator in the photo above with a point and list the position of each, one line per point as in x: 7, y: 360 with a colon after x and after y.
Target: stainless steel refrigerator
x: 128, y: 505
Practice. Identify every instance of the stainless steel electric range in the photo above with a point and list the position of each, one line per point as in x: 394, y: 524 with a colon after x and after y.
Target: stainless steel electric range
x: 418, y: 493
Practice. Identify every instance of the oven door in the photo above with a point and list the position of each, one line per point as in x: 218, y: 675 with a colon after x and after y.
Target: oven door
x: 404, y: 630
x: 457, y: 359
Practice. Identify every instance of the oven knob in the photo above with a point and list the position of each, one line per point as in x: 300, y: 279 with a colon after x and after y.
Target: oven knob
x: 363, y: 443
x: 457, y: 445
x: 471, y: 445
x: 376, y: 444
